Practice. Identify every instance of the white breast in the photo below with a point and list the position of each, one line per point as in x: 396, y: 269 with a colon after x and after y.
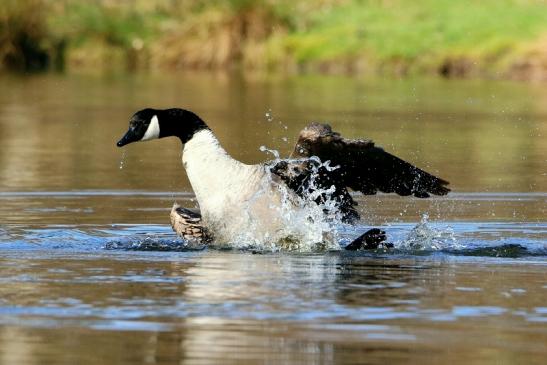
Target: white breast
x: 221, y: 183
x: 240, y: 204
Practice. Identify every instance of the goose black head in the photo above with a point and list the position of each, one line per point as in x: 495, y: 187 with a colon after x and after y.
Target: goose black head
x: 151, y: 123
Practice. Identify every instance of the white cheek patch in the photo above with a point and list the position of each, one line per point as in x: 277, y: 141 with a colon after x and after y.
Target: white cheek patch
x: 153, y: 130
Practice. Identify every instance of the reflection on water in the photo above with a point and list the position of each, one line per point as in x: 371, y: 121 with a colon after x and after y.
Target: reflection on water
x: 219, y: 305
x: 91, y: 273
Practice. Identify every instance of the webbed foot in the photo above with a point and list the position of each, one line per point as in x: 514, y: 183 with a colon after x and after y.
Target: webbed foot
x: 187, y: 224
x: 370, y: 240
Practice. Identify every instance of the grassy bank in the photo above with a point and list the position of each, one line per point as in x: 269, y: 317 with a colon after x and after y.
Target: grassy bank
x: 487, y: 38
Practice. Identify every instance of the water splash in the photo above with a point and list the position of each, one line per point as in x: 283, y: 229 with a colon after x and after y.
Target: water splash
x: 275, y: 218
x: 424, y: 237
x: 151, y: 244
x: 274, y: 153
x: 122, y: 160
x: 269, y: 115
x: 270, y: 118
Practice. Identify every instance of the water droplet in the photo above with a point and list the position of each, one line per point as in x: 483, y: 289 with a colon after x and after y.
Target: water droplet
x: 274, y: 153
x: 122, y: 160
x: 269, y: 115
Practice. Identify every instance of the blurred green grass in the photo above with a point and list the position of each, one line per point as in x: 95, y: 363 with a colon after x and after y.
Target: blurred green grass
x: 492, y: 38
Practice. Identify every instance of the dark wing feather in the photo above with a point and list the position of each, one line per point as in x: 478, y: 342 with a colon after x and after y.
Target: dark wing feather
x: 306, y: 176
x: 361, y: 166
x: 365, y: 167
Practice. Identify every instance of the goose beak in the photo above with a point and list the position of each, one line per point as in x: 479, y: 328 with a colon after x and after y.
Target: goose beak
x: 129, y: 137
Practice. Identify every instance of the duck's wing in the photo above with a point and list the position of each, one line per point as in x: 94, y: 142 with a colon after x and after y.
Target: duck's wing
x: 313, y: 180
x: 365, y: 167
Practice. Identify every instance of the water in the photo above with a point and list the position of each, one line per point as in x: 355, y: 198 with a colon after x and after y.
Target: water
x: 91, y: 272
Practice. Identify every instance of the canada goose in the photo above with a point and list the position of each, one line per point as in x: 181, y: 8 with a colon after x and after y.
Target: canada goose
x: 281, y: 200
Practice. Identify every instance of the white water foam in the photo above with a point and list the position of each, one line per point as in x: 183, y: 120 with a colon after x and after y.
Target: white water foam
x: 294, y: 223
x: 424, y: 237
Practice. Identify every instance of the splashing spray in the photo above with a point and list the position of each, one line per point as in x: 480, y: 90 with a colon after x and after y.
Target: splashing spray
x: 122, y: 160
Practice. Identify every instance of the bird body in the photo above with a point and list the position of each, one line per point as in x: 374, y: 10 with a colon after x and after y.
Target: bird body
x: 245, y: 204
x: 228, y: 191
x: 220, y: 182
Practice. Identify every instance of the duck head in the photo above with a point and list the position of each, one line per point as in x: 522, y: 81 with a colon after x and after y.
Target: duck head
x: 148, y: 124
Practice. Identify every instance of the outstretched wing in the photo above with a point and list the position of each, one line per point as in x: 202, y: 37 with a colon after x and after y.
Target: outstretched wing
x: 365, y: 167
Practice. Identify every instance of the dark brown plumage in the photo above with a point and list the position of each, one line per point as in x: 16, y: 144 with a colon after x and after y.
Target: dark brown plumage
x: 361, y: 166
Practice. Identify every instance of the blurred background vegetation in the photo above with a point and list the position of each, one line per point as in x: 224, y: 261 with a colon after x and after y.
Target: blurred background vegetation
x: 487, y: 38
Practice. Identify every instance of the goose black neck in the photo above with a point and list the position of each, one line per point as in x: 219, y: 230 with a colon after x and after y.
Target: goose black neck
x: 180, y: 123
